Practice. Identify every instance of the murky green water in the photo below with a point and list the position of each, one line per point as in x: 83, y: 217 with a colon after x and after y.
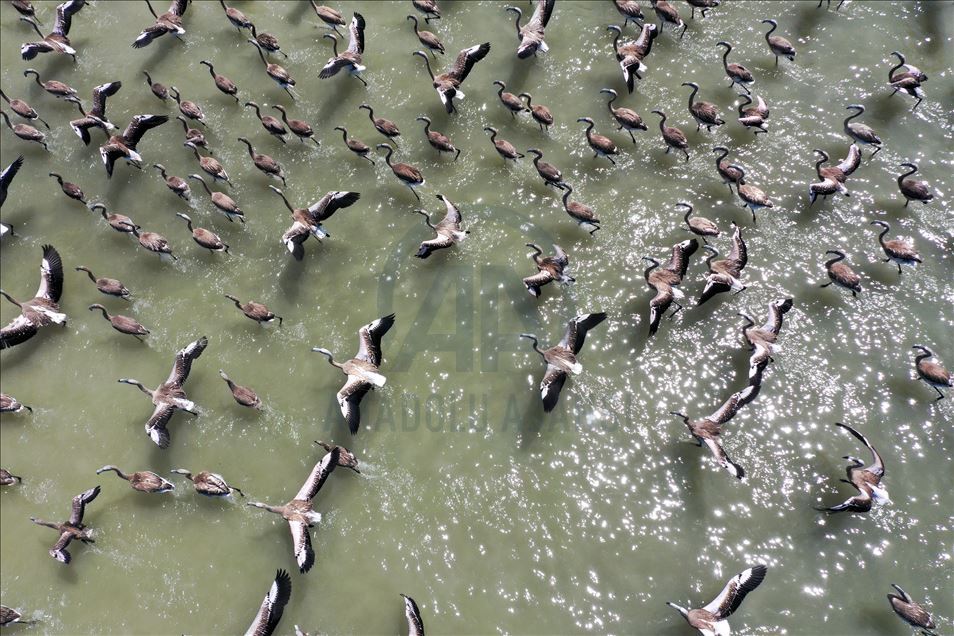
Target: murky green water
x: 495, y: 517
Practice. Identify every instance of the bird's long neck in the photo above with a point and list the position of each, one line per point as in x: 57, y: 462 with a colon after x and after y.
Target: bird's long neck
x: 692, y: 95
x: 260, y: 53
x: 235, y: 300
x: 884, y: 231
x: 334, y: 46
x: 427, y: 218
x: 211, y: 70
x: 101, y: 308
x: 589, y: 129
x: 686, y: 217
x: 188, y: 222
x: 893, y: 69
x: 4, y: 97
x: 662, y: 123
x: 153, y: 12
x: 263, y: 506
x: 770, y: 31
x: 6, y: 119
x: 725, y: 57
x: 332, y: 361
x: 117, y: 471
x: 88, y: 273
x: 742, y: 105
x: 922, y: 355
x: 818, y: 164
x: 857, y: 113
x: 10, y: 298
x: 141, y: 387
x: 619, y: 34
x: 427, y: 126
x: 284, y: 115
x: 719, y: 158
x: 516, y: 21
x: 534, y: 344
x: 653, y: 266
x: 47, y: 524
x: 202, y: 181
x: 162, y: 171
x: 387, y: 157
x: 36, y: 76
x: 427, y: 63
x: 713, y: 254
x: 344, y: 134
x: 609, y: 104
x: 287, y: 204
x: 536, y: 253
x: 370, y: 114
x: 906, y: 174
x: 832, y: 261
x: 500, y: 90
x: 251, y: 153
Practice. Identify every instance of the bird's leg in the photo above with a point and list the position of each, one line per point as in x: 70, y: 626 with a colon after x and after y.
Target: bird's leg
x: 940, y: 395
x: 360, y: 79
x: 826, y: 285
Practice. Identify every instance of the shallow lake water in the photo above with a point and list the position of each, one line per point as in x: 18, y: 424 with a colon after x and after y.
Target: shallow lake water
x: 494, y: 516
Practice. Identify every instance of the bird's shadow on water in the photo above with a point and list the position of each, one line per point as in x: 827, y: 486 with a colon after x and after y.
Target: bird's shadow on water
x: 330, y: 108
x: 876, y: 619
x: 67, y: 572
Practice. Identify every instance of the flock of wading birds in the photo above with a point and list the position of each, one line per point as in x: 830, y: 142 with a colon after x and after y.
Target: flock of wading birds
x: 362, y: 371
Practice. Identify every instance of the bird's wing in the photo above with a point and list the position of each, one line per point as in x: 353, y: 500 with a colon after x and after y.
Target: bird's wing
x: 147, y: 35
x: 79, y: 504
x: 356, y: 30
x: 183, y: 363
x: 715, y: 446
x: 877, y: 465
x: 541, y: 15
x: 272, y: 607
x: 850, y: 163
x: 294, y: 238
x: 369, y: 339
x: 551, y: 385
x: 316, y: 479
x: 51, y: 275
x: 156, y: 425
x: 777, y: 310
x: 179, y: 7
x: 679, y: 260
x: 301, y: 544
x: 333, y: 201
x: 18, y: 331
x: 735, y: 590
x: 100, y: 93
x: 415, y: 625
x: 560, y: 257
x: 466, y: 60
x: 349, y: 399
x: 140, y: 125
x: 576, y: 330
x: 334, y: 65
x: 59, y: 551
x: 6, y: 177
x: 739, y: 252
x: 452, y: 215
x: 64, y: 14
